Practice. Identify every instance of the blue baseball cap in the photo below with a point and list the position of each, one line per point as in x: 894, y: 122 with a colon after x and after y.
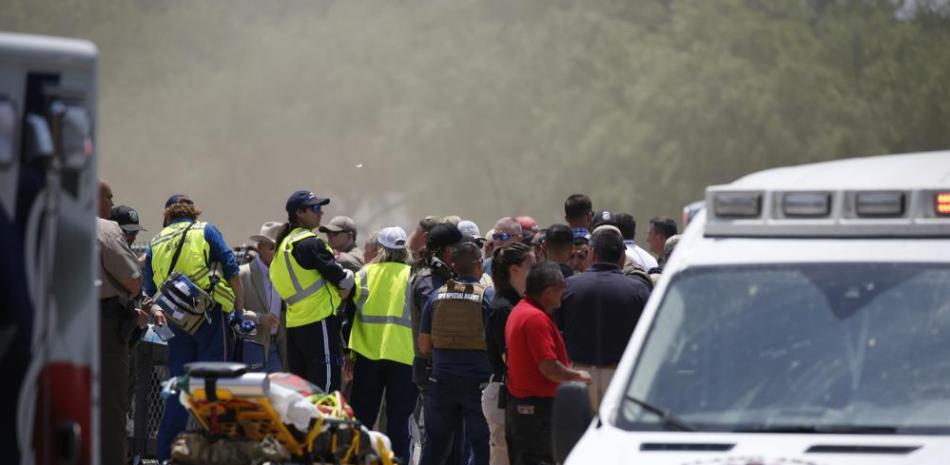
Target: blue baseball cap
x: 301, y: 199
x: 175, y: 199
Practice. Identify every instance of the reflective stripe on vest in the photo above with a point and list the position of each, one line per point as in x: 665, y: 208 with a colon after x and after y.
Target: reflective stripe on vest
x: 309, y: 297
x: 192, y: 262
x: 403, y: 320
x: 300, y: 293
x: 383, y: 328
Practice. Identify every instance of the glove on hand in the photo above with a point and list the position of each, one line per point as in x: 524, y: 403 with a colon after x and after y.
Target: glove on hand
x: 243, y: 326
x: 347, y: 281
x: 246, y: 326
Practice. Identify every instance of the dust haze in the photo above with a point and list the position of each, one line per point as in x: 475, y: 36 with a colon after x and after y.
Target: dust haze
x: 400, y: 109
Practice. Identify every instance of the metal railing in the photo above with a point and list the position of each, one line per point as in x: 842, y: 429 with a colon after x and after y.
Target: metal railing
x: 148, y: 370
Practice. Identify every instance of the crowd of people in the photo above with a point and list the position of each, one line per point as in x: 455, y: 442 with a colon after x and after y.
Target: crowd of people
x: 460, y: 337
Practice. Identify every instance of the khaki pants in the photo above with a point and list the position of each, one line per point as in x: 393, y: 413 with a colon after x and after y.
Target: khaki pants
x: 599, y: 380
x: 496, y: 424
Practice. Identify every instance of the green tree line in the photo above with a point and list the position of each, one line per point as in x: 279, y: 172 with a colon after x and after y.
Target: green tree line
x: 484, y: 108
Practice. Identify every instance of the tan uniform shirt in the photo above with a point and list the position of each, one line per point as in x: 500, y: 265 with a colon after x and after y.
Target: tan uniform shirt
x: 117, y: 262
x: 351, y: 260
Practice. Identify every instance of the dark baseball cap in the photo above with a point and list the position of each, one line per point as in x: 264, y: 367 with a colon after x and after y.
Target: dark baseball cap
x: 442, y: 235
x: 604, y: 217
x: 467, y: 247
x: 127, y: 218
x: 177, y: 198
x: 301, y: 199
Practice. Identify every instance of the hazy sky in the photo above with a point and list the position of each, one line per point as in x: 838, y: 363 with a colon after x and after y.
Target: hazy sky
x: 398, y: 110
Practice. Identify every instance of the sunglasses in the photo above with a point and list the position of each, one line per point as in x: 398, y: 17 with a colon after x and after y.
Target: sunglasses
x: 316, y: 208
x: 502, y: 236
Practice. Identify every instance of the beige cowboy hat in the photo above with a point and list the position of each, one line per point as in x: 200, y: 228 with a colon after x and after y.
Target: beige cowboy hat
x: 268, y: 233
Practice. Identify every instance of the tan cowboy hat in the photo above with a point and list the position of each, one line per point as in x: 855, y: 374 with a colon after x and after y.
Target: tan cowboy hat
x: 268, y: 233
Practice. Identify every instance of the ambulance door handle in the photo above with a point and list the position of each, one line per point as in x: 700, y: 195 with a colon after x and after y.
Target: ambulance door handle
x: 68, y: 443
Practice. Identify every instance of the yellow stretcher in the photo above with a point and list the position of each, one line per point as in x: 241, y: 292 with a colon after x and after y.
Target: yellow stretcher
x: 232, y: 405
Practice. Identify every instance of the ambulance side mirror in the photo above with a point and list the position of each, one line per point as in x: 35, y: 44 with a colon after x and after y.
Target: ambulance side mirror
x: 570, y: 418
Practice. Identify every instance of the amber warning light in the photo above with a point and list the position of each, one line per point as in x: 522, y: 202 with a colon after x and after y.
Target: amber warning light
x: 942, y: 203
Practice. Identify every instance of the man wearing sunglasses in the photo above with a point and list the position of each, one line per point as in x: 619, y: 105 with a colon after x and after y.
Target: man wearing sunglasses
x: 507, y: 231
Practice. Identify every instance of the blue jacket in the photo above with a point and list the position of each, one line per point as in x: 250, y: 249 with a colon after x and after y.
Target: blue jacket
x: 219, y: 253
x: 600, y: 309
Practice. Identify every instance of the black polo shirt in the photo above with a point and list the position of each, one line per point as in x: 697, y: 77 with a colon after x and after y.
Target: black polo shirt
x: 498, y: 311
x: 601, y: 307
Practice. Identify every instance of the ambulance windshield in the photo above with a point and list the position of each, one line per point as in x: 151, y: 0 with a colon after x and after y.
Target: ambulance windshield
x: 843, y: 348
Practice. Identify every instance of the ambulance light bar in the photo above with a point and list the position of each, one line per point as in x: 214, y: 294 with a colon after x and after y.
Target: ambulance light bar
x: 942, y: 203
x: 827, y: 213
x: 806, y: 204
x: 738, y: 204
x: 880, y: 204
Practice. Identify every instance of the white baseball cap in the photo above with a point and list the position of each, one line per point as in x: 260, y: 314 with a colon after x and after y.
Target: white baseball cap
x: 392, y: 237
x: 469, y: 228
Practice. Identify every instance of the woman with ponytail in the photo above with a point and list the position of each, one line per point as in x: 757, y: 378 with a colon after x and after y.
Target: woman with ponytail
x: 308, y: 278
x: 510, y: 266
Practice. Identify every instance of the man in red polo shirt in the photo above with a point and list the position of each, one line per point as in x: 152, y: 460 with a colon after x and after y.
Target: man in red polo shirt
x: 537, y: 363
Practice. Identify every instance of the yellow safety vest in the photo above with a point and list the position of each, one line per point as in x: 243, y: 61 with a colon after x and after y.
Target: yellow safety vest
x: 193, y: 262
x: 309, y: 297
x: 382, y: 329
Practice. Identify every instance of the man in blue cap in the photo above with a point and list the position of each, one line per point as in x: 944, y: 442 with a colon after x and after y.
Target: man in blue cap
x: 196, y: 250
x: 305, y: 273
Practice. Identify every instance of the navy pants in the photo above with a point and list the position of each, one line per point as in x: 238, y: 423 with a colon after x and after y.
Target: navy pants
x: 370, y: 379
x: 314, y: 353
x: 208, y: 344
x: 254, y: 357
x: 451, y: 402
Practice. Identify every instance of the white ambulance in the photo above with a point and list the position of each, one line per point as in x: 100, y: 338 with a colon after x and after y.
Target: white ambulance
x: 49, y: 309
x: 804, y: 318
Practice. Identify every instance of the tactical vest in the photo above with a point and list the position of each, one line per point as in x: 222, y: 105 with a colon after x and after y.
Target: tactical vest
x: 194, y: 261
x: 457, y: 317
x: 309, y: 297
x: 382, y: 328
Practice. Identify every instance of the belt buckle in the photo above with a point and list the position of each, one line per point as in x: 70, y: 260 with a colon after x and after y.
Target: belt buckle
x: 525, y: 409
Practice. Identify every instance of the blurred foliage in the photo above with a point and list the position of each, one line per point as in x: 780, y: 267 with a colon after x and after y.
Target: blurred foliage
x: 485, y: 108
